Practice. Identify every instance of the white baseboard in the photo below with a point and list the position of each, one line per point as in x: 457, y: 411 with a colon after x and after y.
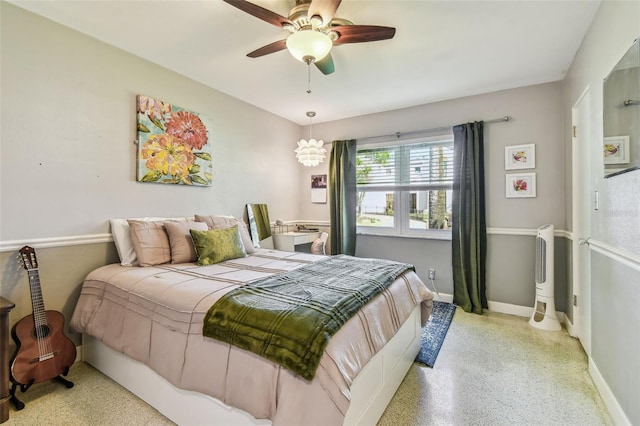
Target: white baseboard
x: 505, y: 308
x: 443, y: 297
x: 569, y: 326
x: 615, y: 410
x: 508, y: 308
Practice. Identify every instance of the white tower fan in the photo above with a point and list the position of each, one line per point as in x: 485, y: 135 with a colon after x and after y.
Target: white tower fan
x: 544, y: 311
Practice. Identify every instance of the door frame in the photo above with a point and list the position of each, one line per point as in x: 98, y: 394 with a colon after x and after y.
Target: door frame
x: 581, y: 177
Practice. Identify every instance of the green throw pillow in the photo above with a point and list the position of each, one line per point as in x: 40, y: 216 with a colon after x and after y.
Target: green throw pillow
x: 217, y: 245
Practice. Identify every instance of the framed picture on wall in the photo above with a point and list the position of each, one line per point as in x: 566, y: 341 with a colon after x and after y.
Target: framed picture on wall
x: 616, y: 150
x: 521, y: 185
x: 319, y: 189
x: 174, y: 144
x: 520, y: 157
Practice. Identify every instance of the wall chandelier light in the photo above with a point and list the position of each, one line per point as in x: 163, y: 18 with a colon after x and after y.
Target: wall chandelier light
x: 311, y: 152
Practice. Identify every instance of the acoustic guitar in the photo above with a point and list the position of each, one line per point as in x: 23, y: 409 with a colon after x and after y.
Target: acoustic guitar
x: 43, y: 352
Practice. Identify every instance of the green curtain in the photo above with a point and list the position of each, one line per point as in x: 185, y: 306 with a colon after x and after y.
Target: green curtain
x: 469, y: 233
x: 342, y: 197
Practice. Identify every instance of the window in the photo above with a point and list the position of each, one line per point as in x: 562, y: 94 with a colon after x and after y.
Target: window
x: 405, y: 188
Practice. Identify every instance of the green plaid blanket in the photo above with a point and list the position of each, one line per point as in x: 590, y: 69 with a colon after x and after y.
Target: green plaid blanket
x: 289, y: 318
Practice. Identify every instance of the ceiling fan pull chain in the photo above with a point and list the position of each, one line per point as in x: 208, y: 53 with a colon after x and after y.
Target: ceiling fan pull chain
x: 308, y: 78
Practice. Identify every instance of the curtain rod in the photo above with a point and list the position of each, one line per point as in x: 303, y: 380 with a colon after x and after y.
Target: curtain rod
x: 398, y: 135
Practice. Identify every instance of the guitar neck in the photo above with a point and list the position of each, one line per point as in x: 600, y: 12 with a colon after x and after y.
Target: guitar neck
x: 37, y: 302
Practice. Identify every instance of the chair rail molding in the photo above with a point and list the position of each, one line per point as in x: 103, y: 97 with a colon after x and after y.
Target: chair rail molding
x: 12, y: 245
x: 527, y: 232
x: 625, y: 257
x: 55, y: 242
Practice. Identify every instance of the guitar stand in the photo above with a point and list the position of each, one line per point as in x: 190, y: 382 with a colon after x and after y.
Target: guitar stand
x: 23, y: 388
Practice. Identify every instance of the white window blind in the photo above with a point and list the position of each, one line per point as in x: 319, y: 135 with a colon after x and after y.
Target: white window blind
x: 420, y: 166
x: 404, y: 188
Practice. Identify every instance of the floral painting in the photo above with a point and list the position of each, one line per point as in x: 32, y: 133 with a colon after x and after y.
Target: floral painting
x: 521, y: 185
x: 616, y: 150
x: 520, y: 157
x: 174, y: 144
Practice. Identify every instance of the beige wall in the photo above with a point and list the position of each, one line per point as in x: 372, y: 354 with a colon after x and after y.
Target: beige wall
x: 68, y: 115
x: 538, y: 119
x: 61, y: 271
x: 615, y: 226
x: 68, y: 161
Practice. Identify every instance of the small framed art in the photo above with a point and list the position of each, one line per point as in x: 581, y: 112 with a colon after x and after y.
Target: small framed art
x: 319, y: 189
x: 616, y: 150
x: 521, y: 185
x: 520, y: 157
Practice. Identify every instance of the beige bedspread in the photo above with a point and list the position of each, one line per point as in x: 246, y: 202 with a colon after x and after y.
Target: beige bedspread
x: 155, y: 315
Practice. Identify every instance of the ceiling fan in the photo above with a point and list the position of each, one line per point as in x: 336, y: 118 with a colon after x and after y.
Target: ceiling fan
x: 313, y: 31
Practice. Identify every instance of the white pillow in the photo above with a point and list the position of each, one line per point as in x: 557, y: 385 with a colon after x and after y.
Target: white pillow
x: 122, y: 237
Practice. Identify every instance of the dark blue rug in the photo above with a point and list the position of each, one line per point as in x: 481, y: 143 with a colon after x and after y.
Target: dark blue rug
x: 434, y: 332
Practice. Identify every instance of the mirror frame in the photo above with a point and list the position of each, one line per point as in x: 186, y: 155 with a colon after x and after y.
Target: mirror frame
x: 621, y: 114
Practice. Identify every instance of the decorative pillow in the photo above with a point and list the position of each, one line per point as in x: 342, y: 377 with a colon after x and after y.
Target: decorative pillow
x: 122, y: 238
x: 150, y: 242
x: 221, y: 222
x: 182, y: 249
x: 217, y: 245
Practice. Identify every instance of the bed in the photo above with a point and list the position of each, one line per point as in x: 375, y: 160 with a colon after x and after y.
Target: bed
x: 142, y: 326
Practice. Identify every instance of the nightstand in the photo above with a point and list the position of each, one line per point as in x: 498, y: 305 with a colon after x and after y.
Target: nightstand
x: 5, y: 307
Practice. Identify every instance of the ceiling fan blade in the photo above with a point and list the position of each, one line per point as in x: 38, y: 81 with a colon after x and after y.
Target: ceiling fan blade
x: 260, y: 13
x: 362, y: 33
x: 324, y: 9
x: 326, y: 65
x: 276, y: 46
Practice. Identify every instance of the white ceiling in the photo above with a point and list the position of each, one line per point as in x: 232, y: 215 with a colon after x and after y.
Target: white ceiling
x: 442, y: 49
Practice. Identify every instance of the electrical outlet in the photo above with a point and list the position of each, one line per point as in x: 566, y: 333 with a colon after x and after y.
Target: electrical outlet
x: 432, y: 274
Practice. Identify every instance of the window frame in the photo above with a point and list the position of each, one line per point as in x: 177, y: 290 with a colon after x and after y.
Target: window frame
x: 401, y: 192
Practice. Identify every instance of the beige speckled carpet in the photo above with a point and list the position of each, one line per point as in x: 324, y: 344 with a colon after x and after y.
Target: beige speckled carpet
x: 492, y: 369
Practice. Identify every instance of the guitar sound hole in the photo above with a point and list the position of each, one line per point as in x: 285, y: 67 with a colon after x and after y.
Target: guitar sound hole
x: 41, y: 331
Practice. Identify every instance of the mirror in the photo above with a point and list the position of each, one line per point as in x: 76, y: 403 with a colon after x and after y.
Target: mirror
x: 621, y: 115
x: 259, y: 225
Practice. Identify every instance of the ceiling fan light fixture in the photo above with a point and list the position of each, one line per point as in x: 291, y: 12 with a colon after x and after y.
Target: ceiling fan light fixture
x: 316, y: 21
x: 309, y: 46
